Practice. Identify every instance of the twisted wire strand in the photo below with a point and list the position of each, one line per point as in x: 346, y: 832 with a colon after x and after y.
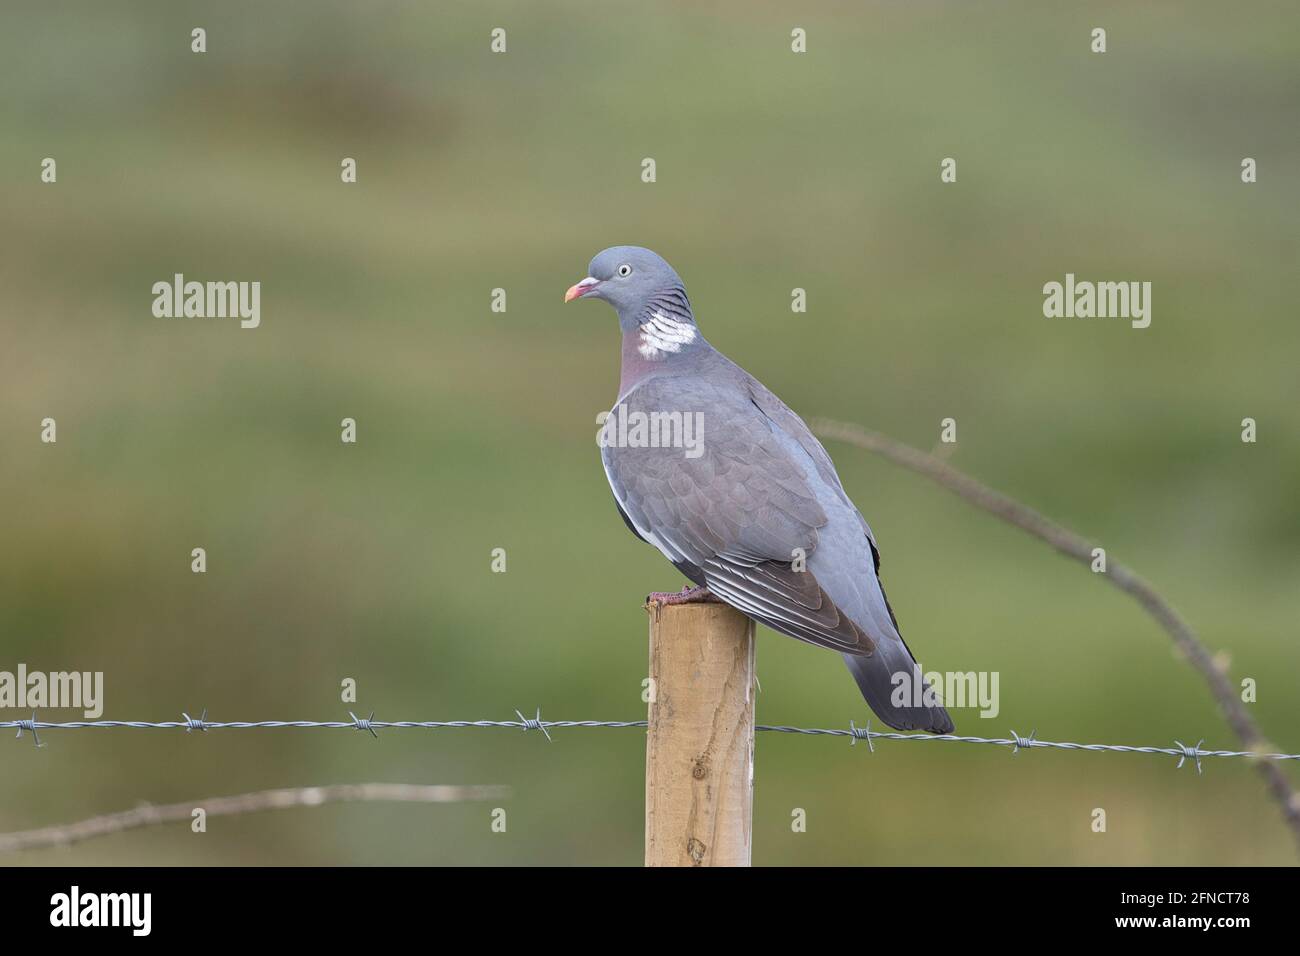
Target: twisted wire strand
x: 855, y: 733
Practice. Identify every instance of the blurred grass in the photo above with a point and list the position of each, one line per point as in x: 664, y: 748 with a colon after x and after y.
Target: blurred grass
x: 774, y: 171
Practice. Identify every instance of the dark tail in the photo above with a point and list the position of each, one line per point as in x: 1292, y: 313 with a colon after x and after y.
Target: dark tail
x: 900, y: 701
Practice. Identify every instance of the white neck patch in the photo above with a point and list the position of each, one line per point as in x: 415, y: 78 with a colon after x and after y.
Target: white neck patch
x: 661, y: 335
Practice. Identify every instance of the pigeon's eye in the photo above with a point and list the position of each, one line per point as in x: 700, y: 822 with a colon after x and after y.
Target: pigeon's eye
x: 625, y: 270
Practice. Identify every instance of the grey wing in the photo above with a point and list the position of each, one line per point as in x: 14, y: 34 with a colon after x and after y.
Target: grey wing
x: 741, y: 513
x: 784, y: 418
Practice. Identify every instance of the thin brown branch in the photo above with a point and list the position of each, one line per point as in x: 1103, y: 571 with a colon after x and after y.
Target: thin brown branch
x: 150, y: 815
x: 1074, y: 546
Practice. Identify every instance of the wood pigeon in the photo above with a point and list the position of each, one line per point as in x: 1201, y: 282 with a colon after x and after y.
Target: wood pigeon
x: 732, y: 487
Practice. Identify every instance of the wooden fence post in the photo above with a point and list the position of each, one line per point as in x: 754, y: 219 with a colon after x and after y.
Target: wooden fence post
x: 699, y: 759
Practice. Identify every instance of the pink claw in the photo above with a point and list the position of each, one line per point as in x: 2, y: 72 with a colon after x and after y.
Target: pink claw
x: 687, y: 595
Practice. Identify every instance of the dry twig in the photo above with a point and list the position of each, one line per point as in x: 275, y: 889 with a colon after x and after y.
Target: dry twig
x: 150, y: 815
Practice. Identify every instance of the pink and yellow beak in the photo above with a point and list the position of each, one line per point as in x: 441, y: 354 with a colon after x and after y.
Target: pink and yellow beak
x: 581, y: 289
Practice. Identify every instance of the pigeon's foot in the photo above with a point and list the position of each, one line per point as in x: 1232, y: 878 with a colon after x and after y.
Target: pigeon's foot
x: 695, y: 595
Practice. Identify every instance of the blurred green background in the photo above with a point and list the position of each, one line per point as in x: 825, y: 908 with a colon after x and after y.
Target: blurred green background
x: 476, y: 429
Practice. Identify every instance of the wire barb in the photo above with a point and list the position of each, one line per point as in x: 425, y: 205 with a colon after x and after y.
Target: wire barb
x: 860, y: 733
x: 1022, y: 743
x: 364, y: 723
x: 191, y: 724
x: 1193, y: 752
x: 534, y: 723
x: 28, y: 725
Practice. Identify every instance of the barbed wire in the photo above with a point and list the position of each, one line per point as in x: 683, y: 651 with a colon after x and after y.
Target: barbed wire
x: 370, y: 725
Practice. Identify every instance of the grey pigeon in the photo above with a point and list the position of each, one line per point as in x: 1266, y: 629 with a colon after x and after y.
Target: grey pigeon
x: 732, y: 487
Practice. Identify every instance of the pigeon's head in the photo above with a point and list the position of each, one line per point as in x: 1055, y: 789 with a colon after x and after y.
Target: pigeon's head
x: 629, y: 278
